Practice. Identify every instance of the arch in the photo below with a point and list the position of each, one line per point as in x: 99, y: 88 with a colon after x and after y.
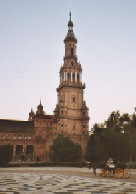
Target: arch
x: 29, y: 149
x: 68, y: 74
x: 19, y: 150
x: 73, y: 77
x: 78, y: 78
x: 72, y: 52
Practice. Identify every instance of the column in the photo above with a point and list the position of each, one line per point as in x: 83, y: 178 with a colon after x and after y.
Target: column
x: 75, y: 50
x: 61, y: 78
x: 33, y: 151
x: 24, y: 148
x: 14, y: 150
x: 80, y: 77
x: 64, y: 76
x: 75, y: 76
x: 71, y: 76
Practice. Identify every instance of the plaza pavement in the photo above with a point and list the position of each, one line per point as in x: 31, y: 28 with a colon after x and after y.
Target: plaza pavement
x: 61, y: 180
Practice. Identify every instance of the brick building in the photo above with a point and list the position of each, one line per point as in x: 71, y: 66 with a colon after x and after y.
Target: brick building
x: 32, y: 139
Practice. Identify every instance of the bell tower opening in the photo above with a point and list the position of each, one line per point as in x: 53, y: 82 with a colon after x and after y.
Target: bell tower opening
x: 72, y: 51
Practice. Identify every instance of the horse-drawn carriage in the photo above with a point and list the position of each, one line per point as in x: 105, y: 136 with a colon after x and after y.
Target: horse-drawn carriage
x: 118, y: 170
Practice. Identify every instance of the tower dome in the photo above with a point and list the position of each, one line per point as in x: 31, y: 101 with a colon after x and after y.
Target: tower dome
x: 40, y: 109
x: 70, y: 34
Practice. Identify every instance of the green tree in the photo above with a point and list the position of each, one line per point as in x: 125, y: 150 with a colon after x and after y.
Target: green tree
x: 65, y: 150
x: 113, y: 120
x: 112, y: 139
x: 92, y: 150
x: 6, y: 153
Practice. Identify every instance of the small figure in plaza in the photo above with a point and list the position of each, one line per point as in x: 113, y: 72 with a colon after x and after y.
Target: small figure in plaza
x: 110, y: 163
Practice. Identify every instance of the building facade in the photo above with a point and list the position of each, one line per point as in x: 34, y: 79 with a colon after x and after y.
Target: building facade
x: 32, y: 139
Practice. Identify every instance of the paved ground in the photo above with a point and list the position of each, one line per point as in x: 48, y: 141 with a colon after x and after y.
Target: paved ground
x: 61, y: 181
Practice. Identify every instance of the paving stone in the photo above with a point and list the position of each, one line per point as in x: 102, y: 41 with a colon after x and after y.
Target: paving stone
x: 40, y: 183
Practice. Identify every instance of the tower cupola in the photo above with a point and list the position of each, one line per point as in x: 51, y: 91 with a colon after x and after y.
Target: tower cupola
x: 70, y: 34
x: 71, y: 71
x: 40, y: 109
x: 31, y: 115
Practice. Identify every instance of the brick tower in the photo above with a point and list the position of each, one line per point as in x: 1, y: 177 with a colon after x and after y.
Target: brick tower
x: 71, y: 111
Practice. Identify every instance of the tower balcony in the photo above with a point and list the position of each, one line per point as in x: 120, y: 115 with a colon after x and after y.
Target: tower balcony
x: 87, y: 118
x: 70, y: 57
x: 79, y: 85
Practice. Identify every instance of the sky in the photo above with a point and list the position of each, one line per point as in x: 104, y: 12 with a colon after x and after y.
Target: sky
x: 32, y: 50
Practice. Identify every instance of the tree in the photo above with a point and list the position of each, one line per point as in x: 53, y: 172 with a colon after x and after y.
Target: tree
x: 65, y: 150
x: 115, y: 138
x: 92, y: 154
x: 6, y: 153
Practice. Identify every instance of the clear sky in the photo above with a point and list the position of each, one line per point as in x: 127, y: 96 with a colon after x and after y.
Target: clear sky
x: 32, y: 50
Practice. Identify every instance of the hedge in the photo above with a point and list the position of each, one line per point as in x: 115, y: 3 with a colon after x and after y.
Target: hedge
x: 46, y: 164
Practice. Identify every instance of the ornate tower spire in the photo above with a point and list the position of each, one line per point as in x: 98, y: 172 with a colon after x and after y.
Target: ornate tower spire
x: 71, y: 71
x: 71, y: 110
x: 70, y: 35
x: 71, y: 113
x: 70, y: 14
x: 40, y: 109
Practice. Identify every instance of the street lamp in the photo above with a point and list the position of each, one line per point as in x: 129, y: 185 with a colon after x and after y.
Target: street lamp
x: 81, y: 135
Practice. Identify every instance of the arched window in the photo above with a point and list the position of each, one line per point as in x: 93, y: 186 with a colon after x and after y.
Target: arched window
x: 73, y: 76
x: 72, y: 52
x: 78, y: 77
x: 68, y: 77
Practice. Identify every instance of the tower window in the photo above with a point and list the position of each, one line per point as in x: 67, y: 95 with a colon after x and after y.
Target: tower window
x: 72, y: 63
x: 68, y: 77
x: 74, y: 99
x: 72, y: 52
x: 78, y: 77
x: 73, y: 76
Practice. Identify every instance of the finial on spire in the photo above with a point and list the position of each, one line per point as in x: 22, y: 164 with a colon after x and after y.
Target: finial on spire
x: 70, y: 14
x: 32, y: 110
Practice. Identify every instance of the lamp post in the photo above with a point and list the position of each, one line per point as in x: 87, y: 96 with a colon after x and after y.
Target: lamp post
x: 80, y: 138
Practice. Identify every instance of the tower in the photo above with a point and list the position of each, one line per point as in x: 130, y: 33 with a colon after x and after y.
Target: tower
x: 71, y: 111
